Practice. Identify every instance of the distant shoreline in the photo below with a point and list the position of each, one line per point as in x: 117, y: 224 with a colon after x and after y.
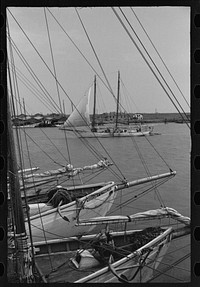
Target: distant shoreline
x: 105, y: 118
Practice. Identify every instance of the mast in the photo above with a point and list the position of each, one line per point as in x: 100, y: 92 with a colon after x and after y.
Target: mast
x: 24, y: 262
x: 23, y: 253
x: 14, y: 181
x: 118, y: 90
x: 94, y: 106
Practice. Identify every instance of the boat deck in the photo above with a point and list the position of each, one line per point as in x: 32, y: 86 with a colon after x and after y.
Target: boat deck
x: 64, y: 270
x: 57, y: 267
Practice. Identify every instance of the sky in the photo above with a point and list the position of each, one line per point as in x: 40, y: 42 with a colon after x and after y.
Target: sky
x: 140, y: 91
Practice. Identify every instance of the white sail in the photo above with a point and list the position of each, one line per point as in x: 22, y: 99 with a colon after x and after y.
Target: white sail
x: 80, y: 116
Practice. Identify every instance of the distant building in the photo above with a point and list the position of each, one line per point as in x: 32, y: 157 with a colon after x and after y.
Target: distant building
x: 103, y: 118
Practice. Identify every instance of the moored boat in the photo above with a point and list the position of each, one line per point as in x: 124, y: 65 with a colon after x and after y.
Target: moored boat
x: 127, y: 256
x: 79, y: 123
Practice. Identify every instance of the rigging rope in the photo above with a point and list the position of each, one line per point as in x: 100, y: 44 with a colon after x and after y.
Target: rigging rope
x: 28, y: 86
x: 30, y: 260
x: 57, y: 83
x: 167, y: 269
x: 20, y: 150
x: 54, y: 77
x: 154, y: 66
x: 52, y: 57
x: 107, y: 86
x: 139, y: 195
x: 94, y: 243
x: 133, y: 41
x: 46, y: 137
x: 41, y: 148
x: 44, y: 62
x: 129, y: 98
x: 36, y: 79
x: 110, y: 88
x: 147, y: 170
x: 24, y: 80
x: 79, y: 51
x: 37, y: 196
x: 159, y: 55
x: 56, y: 146
x: 101, y: 66
x: 107, y: 79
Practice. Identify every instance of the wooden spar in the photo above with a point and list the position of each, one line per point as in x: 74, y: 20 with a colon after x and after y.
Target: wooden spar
x: 94, y: 106
x: 145, y: 180
x: 141, y: 216
x: 180, y: 232
x: 116, y: 219
x: 28, y: 169
x: 129, y: 184
x: 117, y: 111
x: 102, y: 190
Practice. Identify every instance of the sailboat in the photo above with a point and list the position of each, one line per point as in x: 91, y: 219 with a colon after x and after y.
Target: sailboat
x: 128, y: 256
x: 37, y: 185
x: 79, y: 121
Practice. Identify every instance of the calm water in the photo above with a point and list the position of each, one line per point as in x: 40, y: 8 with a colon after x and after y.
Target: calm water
x: 173, y: 144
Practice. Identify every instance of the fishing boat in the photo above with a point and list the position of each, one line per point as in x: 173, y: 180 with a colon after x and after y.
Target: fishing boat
x: 57, y: 217
x: 128, y: 256
x: 80, y: 124
x: 36, y: 185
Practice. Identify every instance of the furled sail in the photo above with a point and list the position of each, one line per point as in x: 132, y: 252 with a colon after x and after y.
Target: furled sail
x: 146, y: 215
x: 34, y: 179
x: 80, y: 116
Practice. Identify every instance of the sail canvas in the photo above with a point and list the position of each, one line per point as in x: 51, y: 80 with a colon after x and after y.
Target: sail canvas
x: 80, y: 116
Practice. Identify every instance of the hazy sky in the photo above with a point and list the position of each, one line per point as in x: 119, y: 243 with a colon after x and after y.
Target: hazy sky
x: 168, y: 28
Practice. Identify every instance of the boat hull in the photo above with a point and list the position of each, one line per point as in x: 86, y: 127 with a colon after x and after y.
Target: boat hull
x: 130, y: 267
x: 120, y: 134
x: 61, y: 222
x: 102, y: 134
